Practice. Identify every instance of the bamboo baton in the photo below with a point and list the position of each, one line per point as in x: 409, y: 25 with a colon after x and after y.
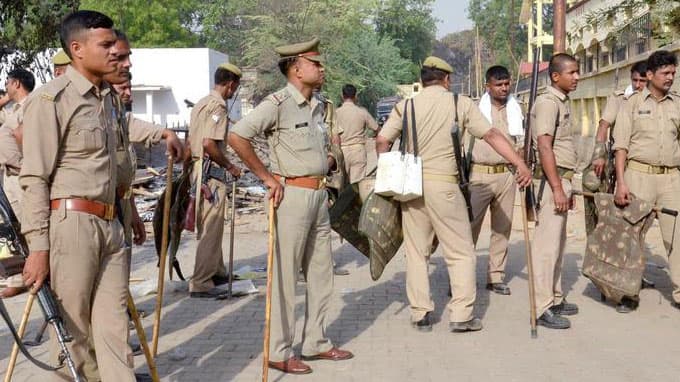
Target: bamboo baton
x: 268, y: 301
x: 22, y: 329
x: 231, y: 238
x: 530, y: 266
x: 142, y: 338
x: 164, y: 255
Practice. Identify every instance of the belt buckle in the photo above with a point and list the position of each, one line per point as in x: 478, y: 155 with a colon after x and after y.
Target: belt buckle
x: 109, y: 212
x: 322, y: 183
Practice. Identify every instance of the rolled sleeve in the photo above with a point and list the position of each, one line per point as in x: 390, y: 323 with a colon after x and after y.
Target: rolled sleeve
x: 41, y: 131
x: 370, y: 121
x: 257, y: 122
x: 144, y: 132
x: 475, y: 123
x: 611, y: 109
x: 392, y: 127
x: 624, y: 127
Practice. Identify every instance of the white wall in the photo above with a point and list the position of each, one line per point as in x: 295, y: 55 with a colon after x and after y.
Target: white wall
x: 186, y: 73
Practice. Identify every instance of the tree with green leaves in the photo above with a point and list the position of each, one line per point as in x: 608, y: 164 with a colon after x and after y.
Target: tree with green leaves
x: 151, y: 23
x: 499, y: 28
x: 27, y: 28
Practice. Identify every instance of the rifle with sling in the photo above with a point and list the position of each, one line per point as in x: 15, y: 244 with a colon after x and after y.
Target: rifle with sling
x: 461, y: 161
x: 17, y: 244
x: 532, y: 205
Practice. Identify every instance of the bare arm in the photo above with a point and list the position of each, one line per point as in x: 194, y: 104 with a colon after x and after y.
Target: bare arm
x: 382, y: 145
x: 549, y: 165
x: 622, y: 194
x: 600, y: 138
x: 217, y: 156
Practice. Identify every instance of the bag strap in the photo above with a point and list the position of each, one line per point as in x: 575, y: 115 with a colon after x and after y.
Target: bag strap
x: 404, y: 128
x: 413, y: 128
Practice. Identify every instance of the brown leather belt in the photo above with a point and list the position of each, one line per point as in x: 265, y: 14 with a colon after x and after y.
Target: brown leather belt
x: 100, y: 210
x: 311, y: 182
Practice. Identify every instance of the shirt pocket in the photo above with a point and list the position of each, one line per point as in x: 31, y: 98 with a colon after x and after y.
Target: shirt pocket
x: 86, y: 136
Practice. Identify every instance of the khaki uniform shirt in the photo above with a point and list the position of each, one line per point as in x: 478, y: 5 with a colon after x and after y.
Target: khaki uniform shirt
x: 648, y: 129
x: 482, y: 152
x: 434, y: 120
x: 612, y: 107
x: 209, y: 119
x: 131, y: 130
x: 69, y: 127
x: 543, y: 118
x: 295, y: 130
x: 354, y: 120
x: 10, y: 152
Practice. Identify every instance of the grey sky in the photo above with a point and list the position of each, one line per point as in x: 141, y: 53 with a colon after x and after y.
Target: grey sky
x: 452, y: 15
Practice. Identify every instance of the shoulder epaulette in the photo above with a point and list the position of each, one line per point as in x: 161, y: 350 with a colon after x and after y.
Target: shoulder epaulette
x: 51, y: 90
x: 675, y: 93
x: 627, y: 97
x: 619, y: 93
x: 279, y: 96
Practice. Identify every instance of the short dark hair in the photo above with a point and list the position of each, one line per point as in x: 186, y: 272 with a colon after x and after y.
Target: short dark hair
x: 497, y: 72
x: 640, y: 68
x: 558, y: 61
x: 285, y: 64
x: 349, y: 91
x: 25, y: 78
x: 429, y: 75
x: 222, y: 76
x: 659, y: 59
x: 79, y: 21
x: 120, y: 35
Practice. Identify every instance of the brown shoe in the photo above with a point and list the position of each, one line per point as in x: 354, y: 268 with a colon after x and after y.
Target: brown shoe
x: 334, y: 354
x: 12, y: 291
x: 291, y: 366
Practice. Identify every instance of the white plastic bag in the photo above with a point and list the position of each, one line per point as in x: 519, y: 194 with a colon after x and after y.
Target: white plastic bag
x: 400, y: 174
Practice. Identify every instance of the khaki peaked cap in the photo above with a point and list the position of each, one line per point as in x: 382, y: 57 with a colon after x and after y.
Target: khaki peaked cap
x: 308, y: 49
x: 61, y: 58
x: 232, y: 68
x: 437, y: 63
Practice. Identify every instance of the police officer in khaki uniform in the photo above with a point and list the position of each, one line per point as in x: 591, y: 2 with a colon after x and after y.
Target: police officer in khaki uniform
x: 492, y: 185
x: 552, y: 137
x: 20, y: 84
x: 207, y: 136
x: 354, y: 120
x: 59, y: 63
x: 592, y: 176
x: 292, y: 120
x: 132, y: 130
x: 69, y: 183
x: 648, y: 154
x: 441, y: 209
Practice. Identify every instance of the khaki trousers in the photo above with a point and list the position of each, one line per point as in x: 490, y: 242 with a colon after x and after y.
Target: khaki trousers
x: 89, y: 271
x: 302, y: 241
x: 550, y: 236
x: 664, y: 191
x: 498, y: 192
x: 10, y: 185
x: 209, y: 261
x: 355, y: 161
x: 440, y: 211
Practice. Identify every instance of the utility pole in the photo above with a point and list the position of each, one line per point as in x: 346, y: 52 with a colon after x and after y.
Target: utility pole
x: 559, y: 26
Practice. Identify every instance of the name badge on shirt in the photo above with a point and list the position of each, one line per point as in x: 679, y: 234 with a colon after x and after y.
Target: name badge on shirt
x: 644, y: 112
x: 303, y: 124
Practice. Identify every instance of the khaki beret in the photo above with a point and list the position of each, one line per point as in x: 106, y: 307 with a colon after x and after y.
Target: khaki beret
x: 437, y: 63
x: 308, y: 49
x: 61, y: 58
x: 232, y: 68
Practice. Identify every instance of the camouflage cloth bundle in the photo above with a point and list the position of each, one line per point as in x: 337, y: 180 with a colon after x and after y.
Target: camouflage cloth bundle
x: 615, y: 253
x: 381, y: 223
x: 345, y: 213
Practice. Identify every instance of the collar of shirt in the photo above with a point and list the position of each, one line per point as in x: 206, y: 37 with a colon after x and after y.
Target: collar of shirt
x: 557, y: 93
x: 300, y: 99
x: 646, y: 94
x: 433, y: 89
x: 83, y: 85
x: 217, y: 96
